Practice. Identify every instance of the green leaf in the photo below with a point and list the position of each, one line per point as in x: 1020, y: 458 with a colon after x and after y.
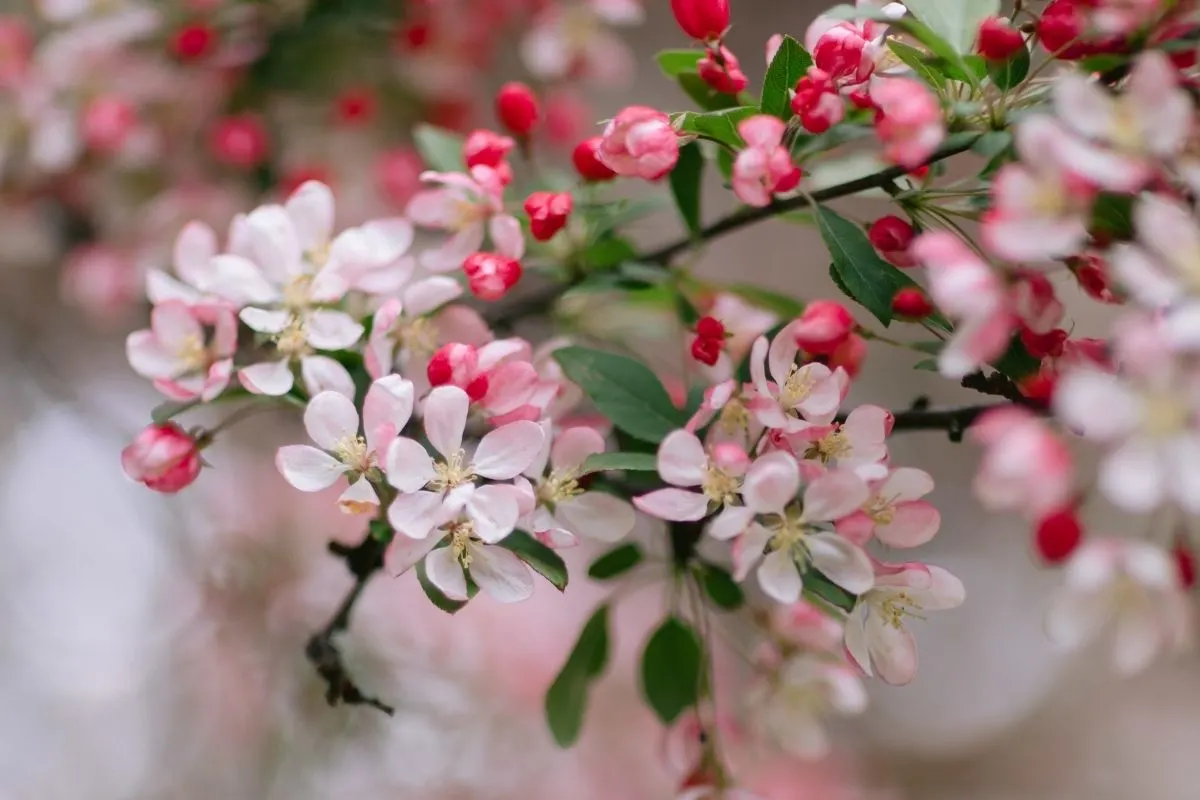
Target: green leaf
x: 615, y: 462
x: 435, y: 595
x: 817, y: 585
x: 861, y: 273
x: 608, y: 252
x: 951, y: 62
x: 719, y: 126
x: 380, y: 530
x: 544, y: 561
x: 1112, y: 216
x: 786, y: 307
x: 721, y: 588
x: 919, y: 64
x: 441, y: 149
x: 955, y: 21
x: 926, y: 365
x: 725, y: 163
x: 685, y: 185
x: 615, y: 562
x: 671, y: 669
x: 992, y: 143
x: 623, y: 390
x: 675, y: 62
x: 166, y: 411
x: 790, y: 63
x: 1017, y: 362
x: 1009, y: 74
x: 704, y: 95
x: 566, y: 699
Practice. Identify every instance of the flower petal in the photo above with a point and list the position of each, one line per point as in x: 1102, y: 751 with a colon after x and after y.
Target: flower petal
x: 573, y: 446
x: 501, y: 574
x: 403, y: 553
x: 310, y: 208
x: 493, y: 512
x: 445, y: 412
x: 913, y: 524
x: 409, y: 466
x: 387, y: 408
x: 444, y: 572
x: 265, y: 320
x: 359, y: 498
x: 598, y: 516
x: 779, y: 578
x: 748, y: 549
x: 506, y: 452
x: 415, y: 515
x: 771, y: 483
x: 1133, y: 476
x: 844, y: 563
x: 272, y: 378
x: 307, y: 468
x: 834, y: 495
x: 331, y: 420
x: 673, y: 505
x: 731, y: 522
x: 681, y: 459
x: 893, y: 651
x: 323, y: 374
x: 332, y: 330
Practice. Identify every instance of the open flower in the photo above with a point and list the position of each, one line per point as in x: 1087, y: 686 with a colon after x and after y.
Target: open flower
x: 1164, y: 264
x: 498, y: 377
x: 428, y: 486
x: 332, y: 423
x: 895, y: 513
x: 467, y: 207
x: 1025, y: 468
x: 791, y: 705
x: 764, y: 168
x: 875, y: 634
x: 796, y: 395
x: 908, y: 121
x: 859, y: 443
x: 576, y: 40
x: 556, y: 507
x: 403, y: 330
x: 1132, y: 587
x: 683, y: 462
x: 187, y: 351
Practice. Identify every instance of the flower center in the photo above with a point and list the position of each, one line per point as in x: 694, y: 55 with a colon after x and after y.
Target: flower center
x: 418, y: 335
x: 1125, y: 130
x: 451, y: 473
x: 557, y: 487
x: 460, y: 540
x: 296, y: 293
x: 467, y: 212
x: 192, y: 354
x: 796, y: 388
x: 832, y: 445
x: 1164, y: 414
x: 578, y: 28
x: 881, y: 510
x: 1049, y: 198
x: 719, y: 486
x: 318, y: 256
x: 897, y: 606
x: 734, y: 417
x: 788, y: 533
x: 352, y: 451
x: 292, y: 341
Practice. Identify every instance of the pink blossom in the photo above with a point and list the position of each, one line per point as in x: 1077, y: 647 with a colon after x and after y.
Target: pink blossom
x: 702, y: 19
x: 909, y: 120
x: 797, y: 395
x: 764, y: 168
x: 491, y: 275
x: 467, y: 207
x: 684, y: 463
x: 640, y: 143
x: 163, y: 457
x: 970, y: 292
x: 402, y: 330
x: 894, y: 513
x: 187, y: 351
x: 791, y: 706
x: 807, y: 626
x: 823, y: 327
x: 875, y: 634
x: 108, y: 122
x: 858, y: 444
x: 1129, y: 586
x: 332, y: 423
x: 16, y: 47
x: 498, y: 377
x: 847, y: 50
x: 720, y: 69
x: 556, y: 508
x: 577, y: 40
x: 399, y: 174
x: 817, y: 102
x: 1025, y: 467
x: 1162, y: 267
x: 435, y: 491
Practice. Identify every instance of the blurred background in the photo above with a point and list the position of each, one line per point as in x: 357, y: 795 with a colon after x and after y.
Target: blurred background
x: 153, y: 647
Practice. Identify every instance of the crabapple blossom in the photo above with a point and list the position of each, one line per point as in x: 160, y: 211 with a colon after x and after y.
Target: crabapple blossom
x: 187, y: 351
x: 587, y: 162
x: 1131, y: 587
x: 798, y: 395
x: 908, y: 120
x: 332, y: 423
x: 491, y: 275
x: 817, y: 102
x: 858, y: 444
x: 163, y: 457
x: 894, y: 513
x: 892, y: 236
x: 849, y: 356
x: 822, y: 328
x: 807, y: 625
x: 684, y: 463
x: 556, y: 507
x: 1025, y: 467
x: 403, y: 329
x: 847, y: 50
x: 876, y: 637
x: 639, y: 143
x: 791, y: 706
x: 435, y: 491
x: 548, y: 212
x: 577, y: 39
x: 720, y: 69
x: 498, y: 376
x: 764, y: 168
x: 1164, y: 264
x: 468, y: 206
x: 912, y: 303
x: 484, y: 148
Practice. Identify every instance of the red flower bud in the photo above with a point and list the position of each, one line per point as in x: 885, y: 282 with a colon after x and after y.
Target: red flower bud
x: 998, y: 40
x: 1185, y: 562
x: 911, y: 302
x: 1057, y: 535
x: 891, y: 236
x: 706, y: 350
x: 1060, y: 30
x: 823, y: 327
x: 517, y: 108
x: 477, y: 389
x: 721, y: 71
x: 710, y: 328
x: 1038, y: 387
x: 1043, y: 345
x: 194, y: 41
x: 587, y: 165
x: 484, y: 148
x: 548, y: 212
x: 356, y: 106
x: 163, y: 457
x: 240, y: 141
x: 491, y: 275
x: 702, y: 19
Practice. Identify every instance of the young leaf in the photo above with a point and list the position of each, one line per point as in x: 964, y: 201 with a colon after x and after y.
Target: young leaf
x: 719, y: 126
x: 1009, y: 74
x: 919, y: 64
x: 608, y: 251
x: 435, y: 595
x: 675, y: 62
x: 861, y: 273
x: 671, y: 669
x: 615, y: 562
x: 566, y: 699
x: 790, y: 63
x: 615, y: 462
x: 1017, y: 362
x: 685, y: 185
x: 926, y: 365
x: 956, y: 21
x: 441, y: 149
x: 951, y: 62
x: 721, y: 588
x: 541, y: 558
x: 623, y: 390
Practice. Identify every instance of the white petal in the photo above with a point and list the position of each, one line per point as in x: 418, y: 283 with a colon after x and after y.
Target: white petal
x: 771, y: 483
x: 445, y: 418
x: 323, y: 374
x: 330, y: 420
x: 506, y: 235
x: 446, y: 573
x: 264, y: 320
x: 674, y: 505
x: 415, y: 515
x: 493, y: 511
x: 359, y: 498
x: 238, y: 280
x: 1137, y: 638
x: 597, y: 516
x: 573, y: 446
x: 1096, y: 404
x: 1133, y: 476
x: 403, y: 553
x: 429, y: 294
x: 779, y: 578
x: 506, y: 452
x: 274, y: 243
x: 272, y: 378
x: 681, y: 459
x: 856, y: 637
x: 194, y: 247
x: 834, y: 495
x: 387, y: 408
x: 409, y: 466
x: 731, y: 522
x: 841, y: 561
x: 748, y: 549
x: 893, y: 651
x: 501, y: 574
x: 332, y: 330
x: 310, y: 208
x: 1075, y: 618
x: 307, y: 468
x: 906, y: 483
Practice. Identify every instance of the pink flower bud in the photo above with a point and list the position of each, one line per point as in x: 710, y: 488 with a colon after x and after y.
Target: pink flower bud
x: 844, y: 53
x: 707, y: 350
x: 720, y: 70
x: 193, y: 41
x: 163, y: 457
x: 399, y: 174
x: 849, y: 355
x: 1185, y: 564
x: 453, y: 363
x: 908, y: 120
x: 702, y: 19
x: 589, y: 167
x: 548, y: 212
x: 817, y: 102
x: 107, y: 122
x: 1061, y: 29
x: 823, y: 326
x: 486, y: 148
x: 517, y: 108
x: 998, y: 40
x: 16, y: 48
x: 491, y: 275
x: 640, y: 143
x: 240, y: 141
x: 891, y: 236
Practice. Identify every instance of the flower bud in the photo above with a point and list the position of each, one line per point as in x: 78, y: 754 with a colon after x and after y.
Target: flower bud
x: 163, y: 457
x: 193, y: 41
x: 891, y: 236
x: 453, y: 363
x: 710, y: 328
x: 548, y: 212
x: 589, y: 167
x: 107, y: 122
x: 1185, y: 563
x: 486, y: 148
x: 1044, y: 345
x: 1060, y: 30
x: 707, y: 351
x: 702, y: 19
x: 912, y: 303
x: 823, y: 327
x: 721, y: 71
x: 240, y: 141
x: 998, y: 40
x: 1057, y: 535
x: 849, y: 355
x: 517, y: 108
x: 731, y: 458
x: 640, y: 142
x: 491, y: 275
x: 356, y: 106
x: 817, y: 102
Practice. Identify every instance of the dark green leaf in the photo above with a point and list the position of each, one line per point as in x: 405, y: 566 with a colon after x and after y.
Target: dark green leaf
x: 671, y: 669
x: 624, y: 390
x: 932, y: 348
x: 704, y: 95
x: 611, y: 462
x: 861, y: 273
x: 951, y: 62
x: 919, y: 63
x: 725, y: 163
x: 719, y: 126
x: 721, y: 588
x: 607, y: 252
x: 1112, y: 216
x: 791, y: 61
x: 786, y: 307
x: 992, y: 143
x: 566, y: 699
x: 544, y: 561
x: 1017, y: 362
x: 615, y: 562
x: 685, y: 185
x: 956, y: 22
x: 675, y: 62
x: 441, y: 149
x: 435, y: 595
x: 817, y: 585
x: 380, y: 530
x: 1009, y: 74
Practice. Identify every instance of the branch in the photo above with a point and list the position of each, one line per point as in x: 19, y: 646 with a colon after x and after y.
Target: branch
x: 363, y: 561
